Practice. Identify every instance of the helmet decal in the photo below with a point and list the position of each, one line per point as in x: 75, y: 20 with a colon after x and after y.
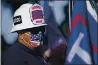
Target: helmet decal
x: 37, y: 15
x: 17, y: 20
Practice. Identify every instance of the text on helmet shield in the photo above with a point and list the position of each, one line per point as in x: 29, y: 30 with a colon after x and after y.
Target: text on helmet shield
x: 37, y: 14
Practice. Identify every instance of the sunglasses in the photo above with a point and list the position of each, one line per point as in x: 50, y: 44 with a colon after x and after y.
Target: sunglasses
x: 34, y: 30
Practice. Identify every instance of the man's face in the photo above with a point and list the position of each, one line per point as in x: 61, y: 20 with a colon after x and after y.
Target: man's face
x: 32, y: 37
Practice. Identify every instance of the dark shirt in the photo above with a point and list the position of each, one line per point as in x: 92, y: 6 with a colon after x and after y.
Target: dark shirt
x: 19, y: 54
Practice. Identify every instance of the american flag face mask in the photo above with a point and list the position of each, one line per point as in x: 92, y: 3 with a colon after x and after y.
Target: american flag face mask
x: 36, y: 39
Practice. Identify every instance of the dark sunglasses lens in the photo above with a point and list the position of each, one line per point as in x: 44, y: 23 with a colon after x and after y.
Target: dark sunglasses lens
x: 36, y: 30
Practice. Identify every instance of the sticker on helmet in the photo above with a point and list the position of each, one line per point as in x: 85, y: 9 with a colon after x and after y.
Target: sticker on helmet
x: 37, y: 15
x: 17, y: 20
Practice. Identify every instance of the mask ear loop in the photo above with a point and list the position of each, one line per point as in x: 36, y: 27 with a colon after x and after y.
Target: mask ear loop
x: 25, y: 41
x: 41, y: 41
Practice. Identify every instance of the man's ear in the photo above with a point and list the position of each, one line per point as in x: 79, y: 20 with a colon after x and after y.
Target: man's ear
x: 20, y: 38
x: 20, y: 35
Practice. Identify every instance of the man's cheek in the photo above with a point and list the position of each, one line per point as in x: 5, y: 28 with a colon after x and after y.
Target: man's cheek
x: 27, y: 38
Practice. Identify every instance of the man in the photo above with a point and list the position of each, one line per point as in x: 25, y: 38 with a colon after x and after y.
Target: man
x: 30, y: 26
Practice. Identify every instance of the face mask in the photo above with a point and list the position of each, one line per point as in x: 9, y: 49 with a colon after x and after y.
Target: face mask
x: 32, y: 37
x: 36, y: 39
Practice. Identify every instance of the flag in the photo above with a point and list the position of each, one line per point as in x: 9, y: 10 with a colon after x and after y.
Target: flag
x: 56, y: 40
x: 93, y: 29
x: 78, y: 49
x: 53, y: 33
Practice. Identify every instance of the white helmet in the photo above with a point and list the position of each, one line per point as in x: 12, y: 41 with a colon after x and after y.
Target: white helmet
x: 28, y: 16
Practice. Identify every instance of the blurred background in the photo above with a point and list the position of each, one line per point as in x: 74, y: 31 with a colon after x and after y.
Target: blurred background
x: 56, y: 16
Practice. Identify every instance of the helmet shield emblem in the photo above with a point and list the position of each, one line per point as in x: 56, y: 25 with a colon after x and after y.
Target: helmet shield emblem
x: 37, y: 15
